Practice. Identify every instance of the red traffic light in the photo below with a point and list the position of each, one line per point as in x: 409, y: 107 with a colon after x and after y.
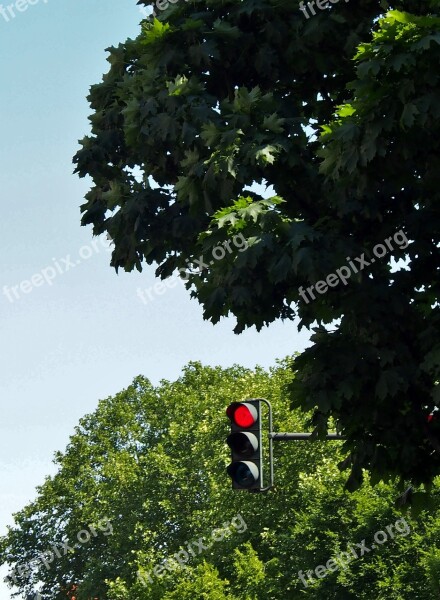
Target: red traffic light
x: 245, y: 442
x: 243, y: 414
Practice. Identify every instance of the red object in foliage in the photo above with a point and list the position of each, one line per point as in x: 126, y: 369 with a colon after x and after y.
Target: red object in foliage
x: 72, y: 591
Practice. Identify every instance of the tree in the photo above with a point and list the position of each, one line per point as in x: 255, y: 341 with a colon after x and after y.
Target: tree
x: 339, y: 114
x: 152, y: 461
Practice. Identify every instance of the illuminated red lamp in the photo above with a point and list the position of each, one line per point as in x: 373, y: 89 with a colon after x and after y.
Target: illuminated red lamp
x: 242, y: 414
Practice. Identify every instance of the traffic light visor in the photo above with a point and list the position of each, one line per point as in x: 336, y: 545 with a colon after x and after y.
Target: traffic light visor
x: 244, y: 473
x: 243, y: 443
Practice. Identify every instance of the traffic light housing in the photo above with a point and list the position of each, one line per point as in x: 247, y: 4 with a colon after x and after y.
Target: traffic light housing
x: 245, y: 442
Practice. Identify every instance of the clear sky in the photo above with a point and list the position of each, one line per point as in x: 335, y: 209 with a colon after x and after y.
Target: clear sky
x: 81, y: 333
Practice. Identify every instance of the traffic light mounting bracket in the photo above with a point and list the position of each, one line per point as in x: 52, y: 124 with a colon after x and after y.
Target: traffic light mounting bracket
x: 269, y: 406
x: 285, y: 437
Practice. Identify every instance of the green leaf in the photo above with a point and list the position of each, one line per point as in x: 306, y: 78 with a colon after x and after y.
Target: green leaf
x: 267, y: 154
x: 410, y: 111
x: 154, y: 31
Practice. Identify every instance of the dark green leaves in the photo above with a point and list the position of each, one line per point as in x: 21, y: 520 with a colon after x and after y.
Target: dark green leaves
x: 213, y: 97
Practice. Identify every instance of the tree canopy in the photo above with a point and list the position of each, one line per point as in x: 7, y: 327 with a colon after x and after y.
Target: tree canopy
x: 338, y: 114
x: 151, y: 462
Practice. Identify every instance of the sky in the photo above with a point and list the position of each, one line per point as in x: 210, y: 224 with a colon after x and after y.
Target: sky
x: 72, y: 330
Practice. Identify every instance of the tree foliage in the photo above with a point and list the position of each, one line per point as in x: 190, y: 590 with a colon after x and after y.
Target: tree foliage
x: 339, y: 114
x: 152, y: 460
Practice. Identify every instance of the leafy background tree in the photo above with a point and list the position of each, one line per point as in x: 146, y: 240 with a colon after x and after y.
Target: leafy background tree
x: 339, y: 115
x: 152, y: 460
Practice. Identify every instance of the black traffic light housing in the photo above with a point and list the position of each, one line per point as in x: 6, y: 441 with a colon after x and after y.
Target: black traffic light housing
x: 245, y: 442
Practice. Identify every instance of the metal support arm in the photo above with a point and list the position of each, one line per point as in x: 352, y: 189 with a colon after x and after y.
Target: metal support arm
x: 280, y: 437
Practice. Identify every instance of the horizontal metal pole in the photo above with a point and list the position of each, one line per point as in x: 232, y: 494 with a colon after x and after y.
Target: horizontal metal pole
x: 279, y: 437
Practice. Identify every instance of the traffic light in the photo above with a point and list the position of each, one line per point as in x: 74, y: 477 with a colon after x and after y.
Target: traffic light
x: 245, y: 442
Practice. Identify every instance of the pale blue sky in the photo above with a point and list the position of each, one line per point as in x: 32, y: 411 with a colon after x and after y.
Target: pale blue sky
x: 66, y: 345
